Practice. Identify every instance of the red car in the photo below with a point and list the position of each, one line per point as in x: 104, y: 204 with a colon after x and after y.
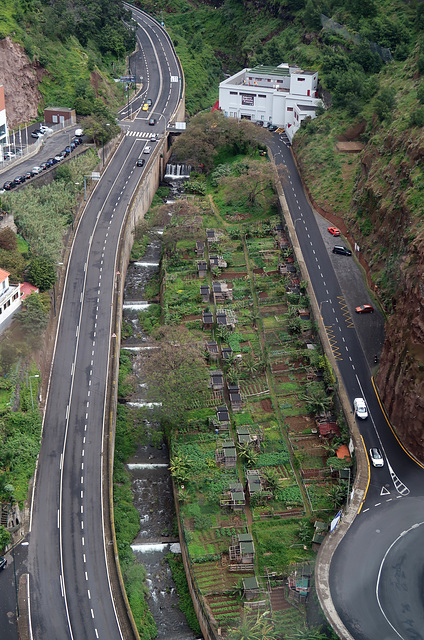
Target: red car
x: 334, y: 231
x: 365, y: 308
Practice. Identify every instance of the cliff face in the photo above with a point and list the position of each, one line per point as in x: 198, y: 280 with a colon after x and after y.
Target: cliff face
x: 400, y: 377
x: 20, y: 79
x: 386, y: 197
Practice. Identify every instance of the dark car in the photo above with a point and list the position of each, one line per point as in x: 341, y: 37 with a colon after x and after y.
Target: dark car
x: 67, y: 150
x: 149, y: 102
x: 3, y: 562
x: 28, y: 175
x: 72, y: 145
x: 9, y: 185
x: 140, y: 162
x: 19, y: 180
x: 152, y: 122
x: 342, y: 250
x: 272, y: 127
x: 44, y: 165
x: 36, y: 134
x: 51, y: 161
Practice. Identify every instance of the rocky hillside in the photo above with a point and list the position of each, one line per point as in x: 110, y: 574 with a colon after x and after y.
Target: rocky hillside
x: 20, y: 79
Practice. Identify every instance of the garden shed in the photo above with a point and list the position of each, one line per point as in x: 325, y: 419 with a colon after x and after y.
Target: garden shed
x: 212, y: 349
x: 223, y: 415
x: 254, y: 484
x: 202, y: 268
x: 207, y: 320
x: 216, y: 380
x: 200, y: 248
x: 204, y: 292
x: 251, y: 588
x: 234, y: 497
x: 243, y: 551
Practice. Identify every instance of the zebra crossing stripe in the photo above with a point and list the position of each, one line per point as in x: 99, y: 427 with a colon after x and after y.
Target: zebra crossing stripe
x: 139, y: 134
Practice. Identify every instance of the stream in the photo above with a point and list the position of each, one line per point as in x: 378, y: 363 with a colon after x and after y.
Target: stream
x: 149, y: 468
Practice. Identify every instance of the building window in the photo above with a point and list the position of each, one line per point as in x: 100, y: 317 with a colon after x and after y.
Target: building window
x: 289, y: 108
x: 8, y: 303
x: 259, y: 96
x: 301, y: 79
x: 233, y: 93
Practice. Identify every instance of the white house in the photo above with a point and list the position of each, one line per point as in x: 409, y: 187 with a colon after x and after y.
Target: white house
x: 283, y: 95
x: 10, y: 299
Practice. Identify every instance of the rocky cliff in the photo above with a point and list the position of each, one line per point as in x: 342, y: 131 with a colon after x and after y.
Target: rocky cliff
x: 20, y: 79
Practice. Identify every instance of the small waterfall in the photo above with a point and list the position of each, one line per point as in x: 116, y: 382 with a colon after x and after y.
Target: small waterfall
x: 136, y: 305
x: 146, y: 264
x: 177, y: 171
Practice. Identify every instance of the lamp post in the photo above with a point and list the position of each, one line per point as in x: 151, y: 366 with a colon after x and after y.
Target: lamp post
x: 30, y: 389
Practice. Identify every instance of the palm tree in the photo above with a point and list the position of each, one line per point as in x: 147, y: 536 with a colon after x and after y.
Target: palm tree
x: 274, y: 480
x: 250, y: 364
x: 307, y: 634
x: 232, y: 375
x: 260, y: 629
x: 180, y: 468
x: 248, y: 455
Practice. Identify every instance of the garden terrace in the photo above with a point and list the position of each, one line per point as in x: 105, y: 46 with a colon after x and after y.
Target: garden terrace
x: 252, y: 471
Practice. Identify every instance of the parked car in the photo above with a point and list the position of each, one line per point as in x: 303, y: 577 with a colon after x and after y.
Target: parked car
x: 272, y: 127
x: 36, y: 170
x: 342, y: 250
x: 9, y: 155
x: 145, y: 107
x: 334, y: 231
x: 37, y: 134
x: 72, y: 145
x: 8, y: 185
x: 58, y: 158
x: 44, y: 165
x: 147, y: 149
x: 149, y: 102
x: 152, y: 122
x: 19, y: 180
x: 67, y: 150
x: 140, y: 162
x: 377, y: 459
x: 45, y: 129
x: 51, y: 161
x: 3, y: 562
x: 360, y: 408
x: 28, y: 175
x: 365, y: 308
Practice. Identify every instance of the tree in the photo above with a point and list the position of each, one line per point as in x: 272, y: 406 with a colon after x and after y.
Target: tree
x: 34, y: 317
x: 180, y: 468
x: 307, y: 634
x: 248, y: 185
x: 316, y: 399
x: 176, y: 372
x: 274, y: 479
x: 8, y: 240
x: 248, y: 455
x: 42, y: 273
x: 261, y: 628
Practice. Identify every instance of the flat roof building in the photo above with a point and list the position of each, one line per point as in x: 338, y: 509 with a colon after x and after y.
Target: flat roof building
x: 283, y: 96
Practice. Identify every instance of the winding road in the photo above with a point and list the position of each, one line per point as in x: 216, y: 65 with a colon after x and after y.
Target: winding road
x: 376, y: 574
x: 72, y: 594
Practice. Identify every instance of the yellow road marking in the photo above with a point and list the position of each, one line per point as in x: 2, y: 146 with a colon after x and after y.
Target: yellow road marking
x: 333, y: 342
x: 345, y: 311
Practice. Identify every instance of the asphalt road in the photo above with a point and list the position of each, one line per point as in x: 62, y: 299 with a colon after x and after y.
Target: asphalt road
x: 376, y: 572
x: 69, y: 582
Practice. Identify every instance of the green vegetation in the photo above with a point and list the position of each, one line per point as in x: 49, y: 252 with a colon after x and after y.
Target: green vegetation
x: 76, y: 45
x: 184, y: 598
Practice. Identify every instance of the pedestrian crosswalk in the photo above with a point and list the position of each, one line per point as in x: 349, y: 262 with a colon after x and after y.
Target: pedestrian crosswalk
x: 141, y: 134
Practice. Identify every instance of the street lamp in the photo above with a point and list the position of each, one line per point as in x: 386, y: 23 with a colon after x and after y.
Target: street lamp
x: 30, y: 389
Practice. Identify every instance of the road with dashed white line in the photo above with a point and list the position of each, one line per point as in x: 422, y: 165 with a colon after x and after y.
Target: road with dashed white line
x: 376, y: 585
x: 71, y: 594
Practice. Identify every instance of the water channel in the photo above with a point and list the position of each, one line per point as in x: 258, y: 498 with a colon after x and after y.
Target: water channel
x: 149, y: 468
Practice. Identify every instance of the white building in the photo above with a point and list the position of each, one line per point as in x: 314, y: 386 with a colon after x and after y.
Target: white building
x: 283, y: 95
x: 10, y: 299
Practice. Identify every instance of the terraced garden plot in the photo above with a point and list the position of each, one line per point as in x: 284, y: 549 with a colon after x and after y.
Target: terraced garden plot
x: 274, y: 540
x: 238, y: 259
x: 231, y: 273
x: 299, y: 424
x: 225, y: 609
x: 253, y: 386
x: 213, y: 578
x: 319, y: 496
x: 273, y: 323
x: 274, y: 310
